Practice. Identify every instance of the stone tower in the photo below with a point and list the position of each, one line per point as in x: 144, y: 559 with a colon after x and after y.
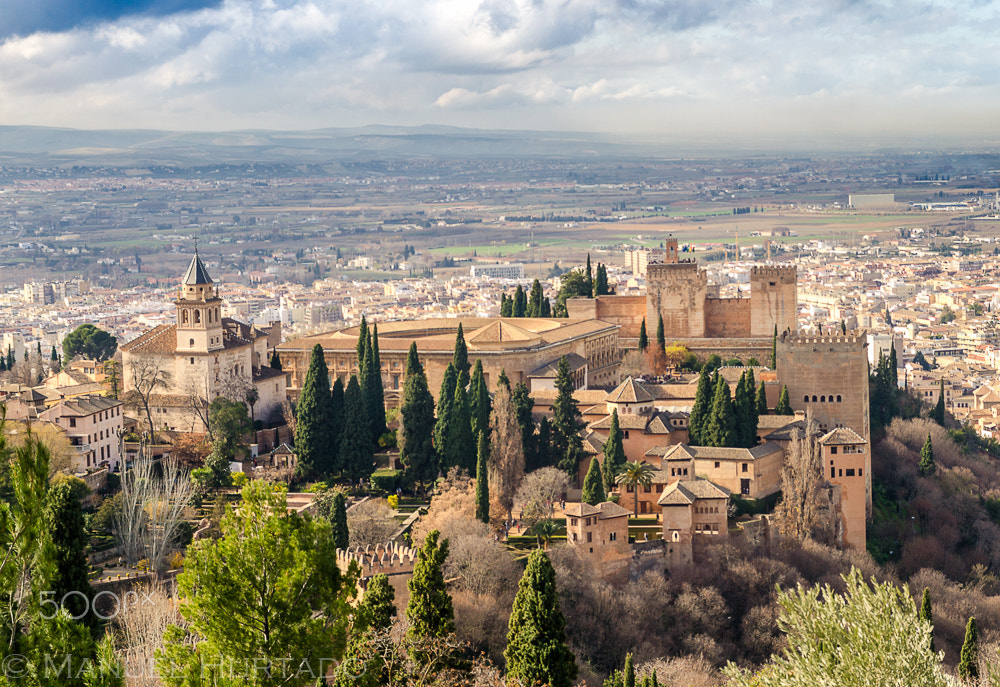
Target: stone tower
x: 773, y: 300
x: 677, y: 291
x: 199, y: 311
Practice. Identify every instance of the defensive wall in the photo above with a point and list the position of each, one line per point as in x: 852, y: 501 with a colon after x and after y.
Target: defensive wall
x: 391, y: 559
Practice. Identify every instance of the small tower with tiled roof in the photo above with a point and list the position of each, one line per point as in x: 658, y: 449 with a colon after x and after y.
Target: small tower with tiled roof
x: 845, y: 460
x: 199, y: 311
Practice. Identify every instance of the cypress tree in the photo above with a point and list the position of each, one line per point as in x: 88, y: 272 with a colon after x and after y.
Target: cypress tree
x: 523, y: 403
x: 373, y: 391
x: 601, y: 282
x: 761, y: 401
x: 543, y: 444
x: 446, y: 399
x: 54, y: 355
x: 565, y: 415
x: 784, y: 407
x: 536, y: 650
x: 502, y: 380
x: 362, y: 346
x: 430, y: 610
x: 535, y: 300
x: 520, y: 302
x: 337, y: 423
x: 482, y: 481
x: 927, y: 457
x: 893, y: 370
x: 338, y: 522
x: 628, y: 674
x: 417, y: 418
x: 377, y: 607
x: 643, y: 339
x: 741, y: 413
x: 593, y: 484
x: 661, y: 340
x: 479, y: 401
x: 70, y: 582
x: 968, y: 665
x: 314, y: 447
x: 721, y: 430
x: 774, y: 349
x: 356, y: 454
x: 925, y: 613
x: 588, y: 285
x: 614, y: 453
x: 460, y: 438
x: 753, y: 417
x: 275, y: 362
x: 938, y: 413
x: 506, y: 306
x: 698, y: 421
x: 461, y: 357
x: 546, y: 308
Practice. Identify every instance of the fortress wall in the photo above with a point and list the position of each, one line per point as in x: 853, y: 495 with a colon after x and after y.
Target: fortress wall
x: 773, y: 300
x: 677, y: 292
x: 727, y: 317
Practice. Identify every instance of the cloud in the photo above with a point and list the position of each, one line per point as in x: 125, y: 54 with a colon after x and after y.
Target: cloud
x: 24, y: 18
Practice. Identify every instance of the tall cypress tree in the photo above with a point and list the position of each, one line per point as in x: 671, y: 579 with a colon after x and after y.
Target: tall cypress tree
x: 661, y: 340
x: 479, y: 401
x: 774, y: 349
x: 362, y: 346
x: 543, y: 445
x: 442, y: 426
x: 506, y: 306
x: 721, y: 423
x: 377, y: 607
x: 314, y: 447
x: 761, y: 402
x: 521, y: 399
x: 601, y: 281
x: 536, y: 650
x: 926, y: 465
x: 275, y: 362
x: 546, y: 307
x: 614, y: 453
x: 460, y: 359
x: 373, y: 391
x: 430, y: 610
x: 417, y: 417
x: 741, y: 413
x: 338, y: 522
x: 520, y: 302
x: 482, y: 481
x: 356, y: 453
x: 566, y: 421
x: 698, y: 421
x: 893, y: 369
x: 337, y: 423
x: 643, y: 338
x: 589, y: 283
x: 938, y: 413
x: 968, y: 665
x: 784, y: 407
x: 460, y: 438
x: 535, y: 300
x: 593, y: 484
x: 927, y: 614
x: 71, y: 572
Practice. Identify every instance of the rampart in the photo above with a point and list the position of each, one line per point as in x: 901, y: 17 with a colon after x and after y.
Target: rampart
x: 727, y: 317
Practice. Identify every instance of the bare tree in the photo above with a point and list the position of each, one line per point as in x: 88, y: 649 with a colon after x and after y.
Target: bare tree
x: 151, y: 510
x: 196, y: 403
x: 539, y: 490
x: 235, y: 385
x: 805, y: 510
x: 370, y: 523
x: 139, y: 630
x: 147, y: 374
x: 506, y: 464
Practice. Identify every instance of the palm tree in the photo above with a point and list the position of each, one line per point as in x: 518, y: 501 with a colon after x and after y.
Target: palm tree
x: 632, y: 475
x: 545, y: 530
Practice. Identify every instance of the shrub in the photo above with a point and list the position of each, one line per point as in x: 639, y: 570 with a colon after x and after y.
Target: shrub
x: 386, y: 480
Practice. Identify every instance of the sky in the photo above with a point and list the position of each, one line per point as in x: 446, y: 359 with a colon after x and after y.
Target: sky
x: 667, y: 69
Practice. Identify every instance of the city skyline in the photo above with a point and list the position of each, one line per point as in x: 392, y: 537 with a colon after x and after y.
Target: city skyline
x: 828, y: 74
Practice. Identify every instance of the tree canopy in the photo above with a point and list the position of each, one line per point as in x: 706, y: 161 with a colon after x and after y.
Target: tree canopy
x: 89, y: 342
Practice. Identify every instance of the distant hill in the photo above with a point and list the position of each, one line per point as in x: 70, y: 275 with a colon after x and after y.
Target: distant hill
x: 44, y: 146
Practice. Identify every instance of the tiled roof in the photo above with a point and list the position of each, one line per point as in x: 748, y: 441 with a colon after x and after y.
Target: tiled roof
x: 88, y: 405
x: 841, y: 435
x: 684, y: 451
x: 550, y: 369
x: 501, y: 331
x: 629, y: 391
x: 160, y: 339
x: 684, y: 493
x: 196, y: 272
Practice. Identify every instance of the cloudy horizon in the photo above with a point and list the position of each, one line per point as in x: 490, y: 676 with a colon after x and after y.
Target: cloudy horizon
x: 865, y: 71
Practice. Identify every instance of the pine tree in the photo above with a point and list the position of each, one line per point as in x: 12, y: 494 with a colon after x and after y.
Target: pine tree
x: 373, y: 390
x: 430, y: 610
x: 761, y: 400
x: 377, y: 607
x: 588, y: 284
x: 536, y: 650
x: 446, y: 399
x: 314, y: 447
x: 774, y: 349
x: 614, y: 453
x: 700, y: 411
x: 565, y: 417
x: 601, y: 281
x: 926, y: 614
x: 482, y: 481
x: 968, y: 665
x: 275, y: 362
x: 520, y: 302
x: 661, y: 341
x: 417, y: 451
x: 338, y: 522
x: 721, y: 429
x: 461, y: 357
x: 356, y: 454
x: 643, y: 339
x: 927, y: 457
x: 460, y: 438
x: 479, y: 401
x: 593, y: 484
x: 784, y: 407
x: 65, y: 526
x: 938, y: 413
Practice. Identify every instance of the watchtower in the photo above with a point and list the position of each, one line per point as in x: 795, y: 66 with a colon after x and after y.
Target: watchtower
x: 773, y: 299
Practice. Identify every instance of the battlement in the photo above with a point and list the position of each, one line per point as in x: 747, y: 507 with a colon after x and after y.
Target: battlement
x: 783, y: 272
x: 385, y: 559
x: 847, y: 341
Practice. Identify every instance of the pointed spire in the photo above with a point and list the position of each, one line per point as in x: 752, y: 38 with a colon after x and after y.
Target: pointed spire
x: 196, y: 272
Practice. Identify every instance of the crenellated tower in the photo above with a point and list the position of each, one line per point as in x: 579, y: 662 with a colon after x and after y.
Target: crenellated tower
x: 773, y: 299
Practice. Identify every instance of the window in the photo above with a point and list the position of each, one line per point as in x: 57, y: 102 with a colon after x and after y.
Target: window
x: 841, y: 473
x: 717, y: 464
x: 628, y: 488
x: 192, y: 361
x: 745, y: 487
x: 838, y: 398
x: 184, y: 316
x: 833, y: 471
x: 861, y: 472
x: 850, y: 472
x: 590, y: 537
x: 814, y: 399
x: 833, y: 450
x: 805, y: 399
x: 646, y: 488
x: 626, y: 434
x: 197, y: 316
x: 613, y: 536
x: 72, y: 422
x: 822, y: 399
x: 746, y: 467
x: 685, y: 471
x: 573, y: 522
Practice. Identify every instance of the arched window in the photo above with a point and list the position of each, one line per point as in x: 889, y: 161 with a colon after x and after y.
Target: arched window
x: 184, y: 316
x: 814, y: 399
x: 805, y: 399
x: 197, y: 316
x: 191, y: 343
x: 838, y: 398
x: 216, y: 314
x: 822, y: 399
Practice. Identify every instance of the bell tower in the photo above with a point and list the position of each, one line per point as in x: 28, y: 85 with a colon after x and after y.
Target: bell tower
x: 199, y: 310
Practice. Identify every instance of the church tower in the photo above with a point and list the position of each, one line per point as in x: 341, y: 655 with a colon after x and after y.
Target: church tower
x: 199, y: 310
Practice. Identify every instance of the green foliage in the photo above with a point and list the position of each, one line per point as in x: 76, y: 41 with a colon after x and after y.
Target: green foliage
x: 275, y: 362
x: 938, y: 413
x: 229, y: 423
x: 573, y: 284
x: 65, y: 524
x: 601, y: 281
x: 430, y: 610
x: 535, y: 300
x: 661, y: 341
x: 506, y: 306
x: 721, y: 426
x: 460, y: 359
x: 869, y: 636
x: 314, y: 440
x: 926, y: 465
x: 216, y: 473
x: 442, y: 425
x: 387, y: 480
x: 339, y: 531
x: 784, y: 407
x: 536, y: 651
x: 377, y: 608
x: 460, y: 440
x: 614, y: 453
x: 520, y: 302
x: 761, y: 400
x: 244, y: 600
x: 774, y: 349
x: 417, y: 413
x: 479, y: 401
x: 371, y: 387
x: 523, y: 403
x: 356, y: 456
x: 593, y: 484
x: 634, y: 475
x: 700, y: 411
x: 968, y: 664
x: 566, y: 422
x: 927, y: 614
x: 482, y: 481
x: 590, y: 280
x: 89, y: 342
x: 643, y: 338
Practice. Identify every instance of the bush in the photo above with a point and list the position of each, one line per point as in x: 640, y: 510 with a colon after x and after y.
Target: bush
x: 755, y: 506
x: 387, y: 480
